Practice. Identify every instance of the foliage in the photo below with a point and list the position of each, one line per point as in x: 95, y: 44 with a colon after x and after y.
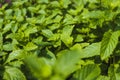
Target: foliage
x: 59, y: 39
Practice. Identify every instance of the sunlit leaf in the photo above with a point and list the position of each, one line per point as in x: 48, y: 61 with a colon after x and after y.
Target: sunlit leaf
x: 30, y: 46
x: 66, y: 35
x: 18, y: 54
x: 108, y: 44
x: 91, y: 50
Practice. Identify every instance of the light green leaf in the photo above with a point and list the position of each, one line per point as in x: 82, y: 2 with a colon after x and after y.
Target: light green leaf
x: 113, y: 72
x: 18, y: 15
x: 103, y: 78
x: 1, y: 23
x: 89, y: 72
x: 12, y: 73
x: 30, y: 30
x: 93, y: 14
x: 32, y: 20
x: 14, y: 28
x: 108, y: 44
x: 37, y: 40
x: 33, y: 9
x: 66, y: 62
x: 8, y: 26
x: 76, y: 47
x: 33, y: 63
x: 57, y: 19
x: 17, y: 3
x: 117, y: 75
x: 55, y: 4
x: 42, y: 1
x: 69, y: 19
x: 79, y: 38
x: 18, y: 54
x: 91, y: 50
x: 65, y: 3
x: 8, y: 14
x: 47, y: 33
x: 30, y: 46
x: 17, y: 63
x: 8, y: 47
x: 38, y: 66
x: 65, y: 36
x: 54, y: 37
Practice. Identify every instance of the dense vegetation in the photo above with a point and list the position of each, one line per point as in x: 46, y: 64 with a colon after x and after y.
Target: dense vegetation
x: 59, y: 40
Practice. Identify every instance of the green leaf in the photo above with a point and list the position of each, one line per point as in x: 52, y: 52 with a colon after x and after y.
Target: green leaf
x: 66, y: 62
x: 32, y: 20
x: 89, y: 72
x: 30, y: 30
x: 18, y: 54
x: 65, y: 36
x: 103, y: 78
x: 30, y: 46
x: 1, y: 23
x: 18, y: 15
x: 91, y: 50
x: 8, y: 14
x: 8, y: 26
x: 111, y: 72
x: 76, y: 47
x: 1, y: 41
x: 38, y: 66
x: 37, y: 40
x: 16, y: 64
x: 69, y: 19
x: 14, y: 28
x: 8, y: 47
x: 57, y: 19
x: 55, y: 37
x: 42, y: 1
x: 47, y: 33
x: 12, y: 73
x: 108, y: 44
x: 93, y: 14
x: 51, y: 57
x: 79, y: 38
x: 65, y: 3
x: 117, y: 75
x: 33, y: 63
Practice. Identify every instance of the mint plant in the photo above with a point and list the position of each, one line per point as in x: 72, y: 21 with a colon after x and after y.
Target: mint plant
x: 59, y: 40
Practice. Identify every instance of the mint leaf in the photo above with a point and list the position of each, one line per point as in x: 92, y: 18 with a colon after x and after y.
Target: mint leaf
x: 108, y: 44
x: 15, y: 75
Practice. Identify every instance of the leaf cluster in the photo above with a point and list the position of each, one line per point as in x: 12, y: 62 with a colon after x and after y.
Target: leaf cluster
x: 60, y: 40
